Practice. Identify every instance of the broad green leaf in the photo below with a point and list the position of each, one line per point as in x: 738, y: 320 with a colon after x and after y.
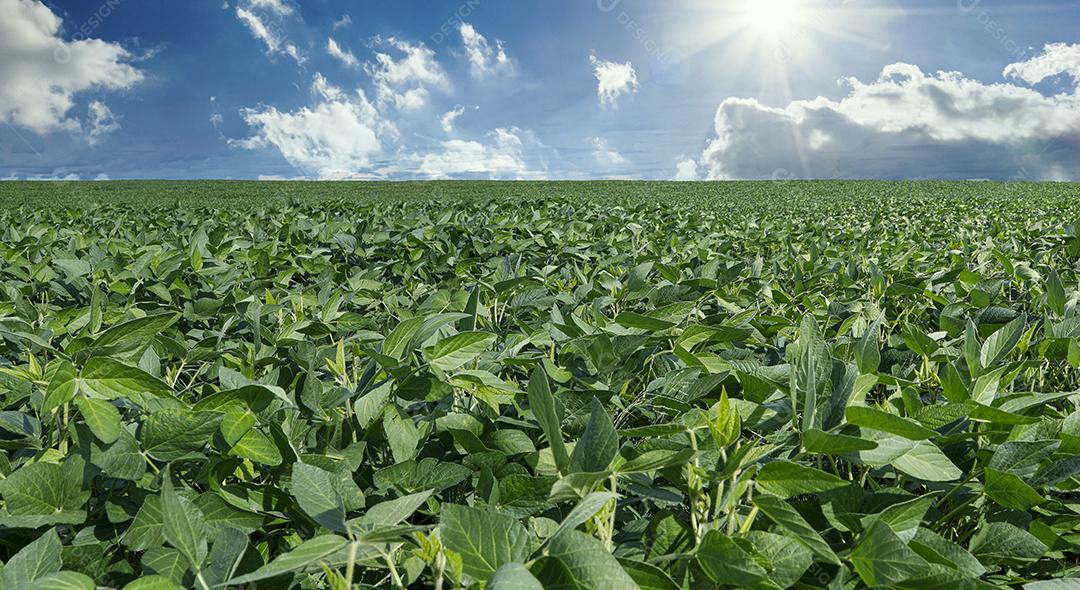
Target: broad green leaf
x: 173, y: 433
x: 110, y: 379
x: 584, y: 510
x: 183, y: 524
x: 577, y: 560
x: 136, y: 331
x: 871, y: 418
x: 153, y: 582
x: 726, y: 563
x: 789, y: 519
x: 257, y: 447
x: 1010, y: 491
x: 818, y: 441
x: 786, y: 479
x: 44, y: 489
x: 65, y: 580
x: 1002, y: 342
x: 513, y: 576
x: 453, y: 352
x: 63, y: 383
x: 543, y: 407
x: 881, y: 558
x: 597, y: 446
x: 925, y: 461
x: 392, y: 512
x: 1001, y: 542
x: 486, y: 540
x: 101, y: 416
x: 306, y: 556
x: 317, y: 496
x: 32, y: 562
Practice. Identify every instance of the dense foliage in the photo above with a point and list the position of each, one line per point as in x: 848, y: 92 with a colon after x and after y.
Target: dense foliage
x: 556, y: 385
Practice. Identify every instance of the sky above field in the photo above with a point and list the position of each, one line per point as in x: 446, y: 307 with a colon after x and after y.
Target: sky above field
x: 526, y: 89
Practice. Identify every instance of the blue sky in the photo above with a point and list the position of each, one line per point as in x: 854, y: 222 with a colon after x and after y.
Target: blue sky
x: 687, y: 89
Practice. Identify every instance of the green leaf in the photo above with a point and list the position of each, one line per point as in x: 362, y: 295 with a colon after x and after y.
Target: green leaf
x: 257, y: 447
x: 818, y: 441
x: 585, y: 509
x: 513, y: 576
x: 786, y: 479
x: 788, y: 558
x: 63, y: 383
x: 154, y: 582
x: 101, y: 416
x: 724, y: 422
x: 317, y: 496
x: 597, y: 446
x: 136, y: 331
x: 184, y: 524
x: 1002, y: 342
x: 1001, y: 542
x: 453, y: 352
x: 110, y: 379
x: 147, y: 531
x: 307, y: 554
x: 726, y: 563
x: 543, y: 407
x: 1010, y: 491
x: 871, y: 418
x: 789, y: 519
x: 392, y: 512
x: 882, y: 558
x: 34, y: 561
x: 486, y: 540
x: 576, y: 560
x: 926, y: 462
x: 66, y: 580
x: 45, y: 489
x: 173, y: 433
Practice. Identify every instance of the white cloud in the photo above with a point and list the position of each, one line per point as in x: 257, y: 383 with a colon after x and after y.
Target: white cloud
x: 503, y: 156
x: 275, y: 44
x: 615, y: 79
x: 344, y: 56
x: 449, y: 117
x: 906, y: 124
x: 401, y: 82
x: 605, y: 155
x: 687, y: 169
x: 337, y: 137
x: 41, y: 73
x: 342, y: 22
x: 1056, y: 59
x: 278, y: 7
x: 102, y: 121
x: 483, y: 58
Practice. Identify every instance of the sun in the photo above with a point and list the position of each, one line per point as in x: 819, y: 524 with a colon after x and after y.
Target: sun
x: 774, y: 18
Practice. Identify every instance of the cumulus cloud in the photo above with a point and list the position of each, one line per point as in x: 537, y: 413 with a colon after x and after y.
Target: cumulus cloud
x: 343, y: 55
x: 502, y: 156
x: 101, y: 121
x: 335, y: 138
x: 687, y: 169
x: 41, y: 74
x: 483, y: 58
x: 907, y: 124
x: 450, y: 117
x: 1056, y: 59
x: 605, y: 155
x: 401, y: 82
x: 275, y: 43
x: 615, y: 79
